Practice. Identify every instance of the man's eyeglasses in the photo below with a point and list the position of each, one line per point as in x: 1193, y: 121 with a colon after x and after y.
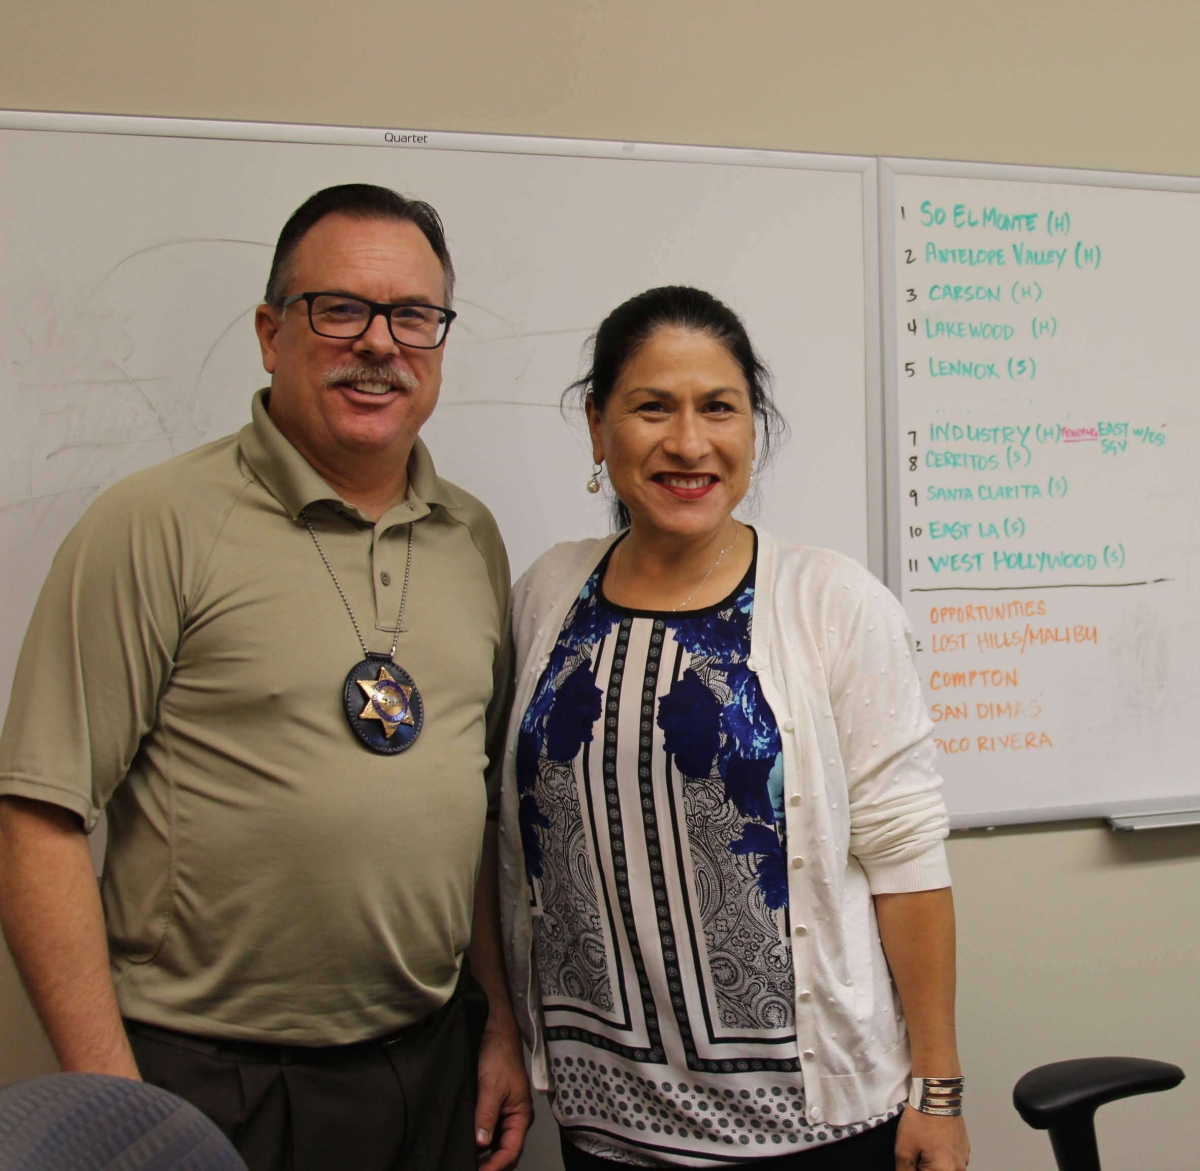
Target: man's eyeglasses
x: 424, y: 327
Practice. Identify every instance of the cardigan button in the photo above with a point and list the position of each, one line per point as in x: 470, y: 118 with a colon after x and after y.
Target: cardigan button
x: 808, y: 1055
x: 789, y: 725
x: 795, y: 799
x: 804, y: 996
x: 797, y: 862
x: 799, y: 930
x: 814, y: 1115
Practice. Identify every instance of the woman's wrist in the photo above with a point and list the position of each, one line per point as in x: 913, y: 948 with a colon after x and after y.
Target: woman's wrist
x: 933, y: 1054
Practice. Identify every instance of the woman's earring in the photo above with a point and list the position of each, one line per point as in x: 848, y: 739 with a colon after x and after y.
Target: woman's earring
x: 593, y: 484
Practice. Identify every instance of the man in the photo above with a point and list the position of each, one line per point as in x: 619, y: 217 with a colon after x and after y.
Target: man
x: 297, y: 856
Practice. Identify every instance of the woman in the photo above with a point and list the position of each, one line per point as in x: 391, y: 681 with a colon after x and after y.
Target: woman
x: 720, y: 805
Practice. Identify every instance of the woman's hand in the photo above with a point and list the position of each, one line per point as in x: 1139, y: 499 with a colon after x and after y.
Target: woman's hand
x: 928, y: 1142
x: 917, y: 930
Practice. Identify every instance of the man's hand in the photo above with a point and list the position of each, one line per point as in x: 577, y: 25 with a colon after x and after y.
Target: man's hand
x: 504, y: 1109
x: 927, y: 1142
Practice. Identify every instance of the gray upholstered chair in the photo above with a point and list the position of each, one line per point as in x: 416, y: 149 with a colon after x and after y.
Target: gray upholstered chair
x: 90, y: 1122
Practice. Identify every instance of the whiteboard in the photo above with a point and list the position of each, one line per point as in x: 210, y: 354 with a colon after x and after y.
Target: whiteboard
x: 1042, y: 373
x: 135, y: 251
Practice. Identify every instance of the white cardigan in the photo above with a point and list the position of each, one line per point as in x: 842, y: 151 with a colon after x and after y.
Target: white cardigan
x: 831, y: 649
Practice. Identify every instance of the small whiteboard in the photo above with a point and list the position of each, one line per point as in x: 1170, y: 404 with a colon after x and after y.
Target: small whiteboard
x: 135, y: 251
x: 1042, y: 374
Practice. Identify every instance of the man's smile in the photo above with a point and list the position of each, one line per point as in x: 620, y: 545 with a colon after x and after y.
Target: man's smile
x: 375, y: 382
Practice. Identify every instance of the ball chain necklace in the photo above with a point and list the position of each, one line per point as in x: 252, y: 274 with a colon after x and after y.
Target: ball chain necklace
x: 393, y: 714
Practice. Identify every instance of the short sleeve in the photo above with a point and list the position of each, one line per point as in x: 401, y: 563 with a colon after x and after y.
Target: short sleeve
x: 97, y: 654
x: 485, y: 533
x: 503, y: 685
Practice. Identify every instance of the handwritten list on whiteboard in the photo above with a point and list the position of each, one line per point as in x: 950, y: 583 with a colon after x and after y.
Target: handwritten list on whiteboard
x: 1045, y: 394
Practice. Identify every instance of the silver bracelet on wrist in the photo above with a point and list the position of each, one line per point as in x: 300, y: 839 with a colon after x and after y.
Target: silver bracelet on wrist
x: 937, y: 1095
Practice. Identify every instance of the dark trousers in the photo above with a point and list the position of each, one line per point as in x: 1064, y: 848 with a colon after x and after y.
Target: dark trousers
x: 404, y: 1102
x: 873, y: 1150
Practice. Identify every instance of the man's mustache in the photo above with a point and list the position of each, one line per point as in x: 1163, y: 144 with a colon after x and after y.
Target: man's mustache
x: 368, y: 372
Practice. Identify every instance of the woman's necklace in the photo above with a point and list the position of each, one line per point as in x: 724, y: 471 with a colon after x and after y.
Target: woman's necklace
x: 711, y: 569
x: 393, y: 713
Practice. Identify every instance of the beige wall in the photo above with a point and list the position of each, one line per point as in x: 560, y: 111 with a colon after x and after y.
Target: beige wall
x: 1073, y: 940
x: 1094, y: 83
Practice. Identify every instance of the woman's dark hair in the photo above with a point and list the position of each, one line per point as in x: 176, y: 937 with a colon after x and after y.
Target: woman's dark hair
x: 359, y: 201
x: 629, y: 326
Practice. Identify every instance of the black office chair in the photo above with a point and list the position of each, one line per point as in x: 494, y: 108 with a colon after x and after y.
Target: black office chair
x: 1063, y: 1098
x: 91, y: 1122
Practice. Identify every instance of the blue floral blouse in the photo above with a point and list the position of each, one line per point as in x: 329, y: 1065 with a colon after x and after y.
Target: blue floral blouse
x: 650, y: 779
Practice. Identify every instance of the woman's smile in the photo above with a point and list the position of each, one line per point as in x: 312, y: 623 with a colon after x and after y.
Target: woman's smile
x: 686, y: 487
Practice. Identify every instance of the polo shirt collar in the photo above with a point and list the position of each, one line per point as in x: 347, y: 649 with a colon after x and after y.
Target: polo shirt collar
x: 296, y: 484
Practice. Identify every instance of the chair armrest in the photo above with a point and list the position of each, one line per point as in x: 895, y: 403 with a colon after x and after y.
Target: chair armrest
x: 1052, y: 1094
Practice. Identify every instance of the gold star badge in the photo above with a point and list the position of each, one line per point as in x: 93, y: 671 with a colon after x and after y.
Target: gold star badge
x: 387, y: 701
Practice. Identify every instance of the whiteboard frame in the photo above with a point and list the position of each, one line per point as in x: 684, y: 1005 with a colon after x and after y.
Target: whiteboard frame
x: 889, y: 169
x: 880, y: 388
x: 410, y: 138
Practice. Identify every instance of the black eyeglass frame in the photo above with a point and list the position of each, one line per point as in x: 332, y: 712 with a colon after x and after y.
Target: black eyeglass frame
x: 377, y: 309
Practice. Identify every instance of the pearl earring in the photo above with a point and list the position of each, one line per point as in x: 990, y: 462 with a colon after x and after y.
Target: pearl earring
x: 593, y: 484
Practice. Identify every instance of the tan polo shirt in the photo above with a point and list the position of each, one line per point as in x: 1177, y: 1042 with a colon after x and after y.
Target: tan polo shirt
x: 268, y: 877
